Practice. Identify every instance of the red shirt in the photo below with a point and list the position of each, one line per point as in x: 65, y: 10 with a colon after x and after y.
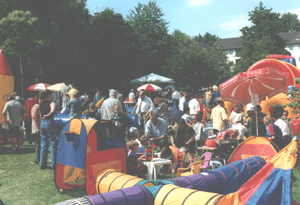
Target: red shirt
x: 28, y: 106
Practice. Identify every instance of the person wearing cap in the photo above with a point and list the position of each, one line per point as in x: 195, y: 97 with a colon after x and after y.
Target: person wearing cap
x: 219, y: 116
x: 131, y: 96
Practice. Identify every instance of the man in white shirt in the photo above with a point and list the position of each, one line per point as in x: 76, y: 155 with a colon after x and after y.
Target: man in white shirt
x: 276, y: 115
x: 175, y: 97
x: 194, y: 105
x: 181, y: 101
x: 143, y: 106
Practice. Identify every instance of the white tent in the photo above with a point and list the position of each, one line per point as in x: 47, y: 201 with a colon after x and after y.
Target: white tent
x: 152, y: 78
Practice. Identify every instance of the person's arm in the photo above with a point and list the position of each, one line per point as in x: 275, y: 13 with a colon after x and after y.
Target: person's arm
x: 151, y: 107
x: 52, y: 110
x: 4, y: 113
x: 134, y: 109
x: 172, y: 140
x: 192, y: 134
x: 23, y: 111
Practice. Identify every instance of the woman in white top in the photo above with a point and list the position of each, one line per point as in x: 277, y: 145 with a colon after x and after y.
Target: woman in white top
x: 200, y: 136
x: 238, y: 118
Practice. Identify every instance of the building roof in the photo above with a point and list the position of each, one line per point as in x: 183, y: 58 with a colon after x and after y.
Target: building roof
x: 291, y: 37
x: 229, y: 43
x: 235, y: 43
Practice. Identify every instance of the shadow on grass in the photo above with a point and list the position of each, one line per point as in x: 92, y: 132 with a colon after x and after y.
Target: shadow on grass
x: 76, y: 193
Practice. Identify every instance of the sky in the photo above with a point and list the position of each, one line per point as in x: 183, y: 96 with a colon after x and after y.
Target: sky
x: 223, y: 18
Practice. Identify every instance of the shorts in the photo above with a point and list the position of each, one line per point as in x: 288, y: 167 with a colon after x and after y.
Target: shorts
x: 14, y: 132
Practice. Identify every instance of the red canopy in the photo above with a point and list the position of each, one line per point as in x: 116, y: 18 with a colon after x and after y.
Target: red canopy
x: 264, y: 82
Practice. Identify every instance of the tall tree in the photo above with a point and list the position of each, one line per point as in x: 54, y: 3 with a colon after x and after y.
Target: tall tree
x: 152, y: 32
x: 208, y: 38
x: 261, y: 38
x: 289, y: 22
x: 21, y: 33
x: 112, y: 45
x: 189, y: 65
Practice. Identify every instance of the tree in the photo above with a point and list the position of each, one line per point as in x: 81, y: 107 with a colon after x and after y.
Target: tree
x: 260, y: 39
x: 289, y: 22
x: 188, y: 64
x: 21, y: 32
x: 152, y: 33
x: 112, y: 45
x: 208, y: 38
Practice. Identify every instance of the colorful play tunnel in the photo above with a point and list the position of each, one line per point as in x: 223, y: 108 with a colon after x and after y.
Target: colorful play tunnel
x: 112, y: 180
x: 210, y: 185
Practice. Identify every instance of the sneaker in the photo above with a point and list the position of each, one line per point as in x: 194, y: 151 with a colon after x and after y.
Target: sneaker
x: 36, y: 161
x: 12, y: 150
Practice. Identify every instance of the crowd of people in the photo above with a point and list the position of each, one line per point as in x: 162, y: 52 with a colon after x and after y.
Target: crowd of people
x: 186, y: 133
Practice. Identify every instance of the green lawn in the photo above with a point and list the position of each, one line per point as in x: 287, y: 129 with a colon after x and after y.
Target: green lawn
x: 23, y: 182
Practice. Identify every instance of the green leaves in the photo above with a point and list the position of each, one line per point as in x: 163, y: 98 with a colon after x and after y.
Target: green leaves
x: 261, y: 38
x: 22, y: 33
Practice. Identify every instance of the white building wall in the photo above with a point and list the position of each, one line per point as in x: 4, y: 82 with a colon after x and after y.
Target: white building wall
x: 231, y: 56
x: 295, y: 52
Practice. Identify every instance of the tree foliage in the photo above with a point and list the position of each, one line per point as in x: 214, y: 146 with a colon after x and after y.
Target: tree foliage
x: 152, y: 33
x: 189, y: 65
x: 289, y: 22
x: 261, y: 38
x: 208, y: 38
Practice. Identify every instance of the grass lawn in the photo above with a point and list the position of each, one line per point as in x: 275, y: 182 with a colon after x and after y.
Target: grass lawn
x: 23, y: 182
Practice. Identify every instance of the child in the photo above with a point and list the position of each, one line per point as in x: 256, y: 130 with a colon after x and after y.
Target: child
x: 200, y: 136
x: 142, y: 140
x: 92, y: 111
x: 134, y: 163
x: 119, y: 122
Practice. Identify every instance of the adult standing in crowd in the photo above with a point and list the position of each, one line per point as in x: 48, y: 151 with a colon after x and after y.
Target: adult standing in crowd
x: 208, y: 96
x: 65, y: 97
x: 98, y: 96
x: 35, y: 129
x: 219, y: 117
x: 182, y: 100
x: 168, y: 95
x: 131, y: 96
x: 56, y: 99
x: 143, y: 107
x: 175, y: 97
x: 18, y: 98
x: 156, y: 129
x: 216, y: 94
x: 72, y: 92
x: 194, y: 105
x: 15, y: 112
x: 75, y: 107
x: 29, y: 103
x: 107, y: 108
x: 48, y: 129
x: 261, y: 126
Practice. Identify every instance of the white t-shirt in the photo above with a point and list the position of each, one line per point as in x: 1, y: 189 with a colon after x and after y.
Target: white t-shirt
x: 181, y: 102
x: 283, y: 127
x: 194, y: 106
x: 197, y: 128
x: 147, y: 105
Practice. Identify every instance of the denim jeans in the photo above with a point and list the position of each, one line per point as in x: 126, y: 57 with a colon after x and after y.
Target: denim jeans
x: 48, y: 137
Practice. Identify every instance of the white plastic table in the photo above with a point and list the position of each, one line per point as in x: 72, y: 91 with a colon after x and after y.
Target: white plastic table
x: 156, y: 162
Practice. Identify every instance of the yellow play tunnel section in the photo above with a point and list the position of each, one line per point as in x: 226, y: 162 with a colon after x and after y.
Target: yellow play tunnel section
x: 173, y: 195
x: 112, y: 180
x: 7, y: 86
